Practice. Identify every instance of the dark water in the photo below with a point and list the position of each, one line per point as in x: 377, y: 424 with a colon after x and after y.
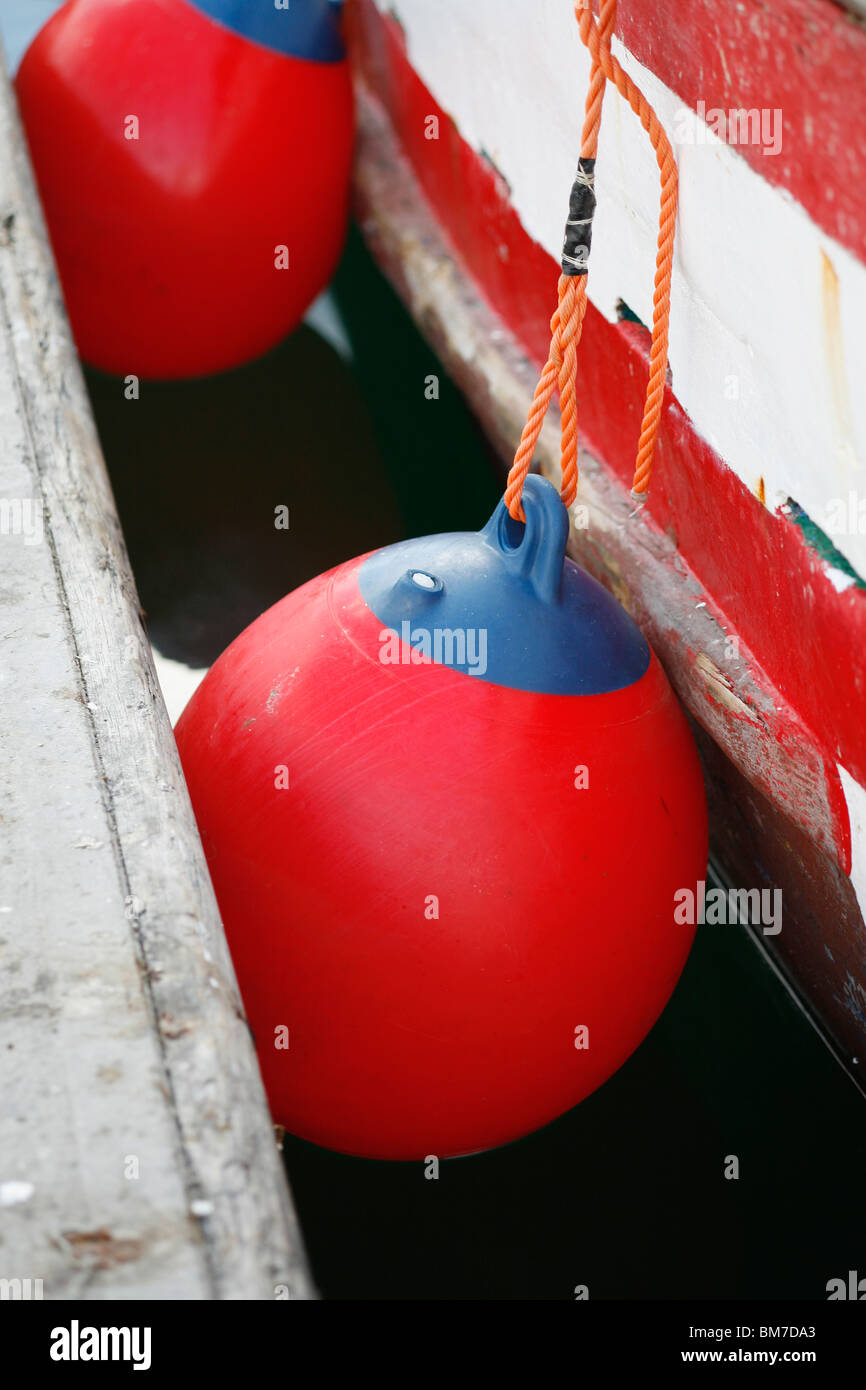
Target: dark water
x: 625, y: 1194
x: 353, y: 449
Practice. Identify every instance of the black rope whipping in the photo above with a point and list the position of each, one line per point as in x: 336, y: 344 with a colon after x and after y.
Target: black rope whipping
x: 578, y: 228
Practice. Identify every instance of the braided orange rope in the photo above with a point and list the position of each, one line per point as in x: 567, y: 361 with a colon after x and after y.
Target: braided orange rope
x: 566, y: 327
x: 567, y: 322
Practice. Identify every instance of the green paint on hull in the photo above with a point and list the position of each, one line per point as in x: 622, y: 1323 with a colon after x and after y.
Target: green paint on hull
x: 821, y: 543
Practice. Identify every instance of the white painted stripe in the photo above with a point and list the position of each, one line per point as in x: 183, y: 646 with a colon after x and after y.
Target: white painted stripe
x: 768, y: 313
x: 855, y: 798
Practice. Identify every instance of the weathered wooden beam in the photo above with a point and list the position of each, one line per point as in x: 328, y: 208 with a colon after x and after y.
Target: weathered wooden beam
x: 137, y: 1158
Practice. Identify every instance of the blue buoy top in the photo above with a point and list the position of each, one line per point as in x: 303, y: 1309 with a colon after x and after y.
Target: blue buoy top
x: 506, y: 604
x: 298, y: 28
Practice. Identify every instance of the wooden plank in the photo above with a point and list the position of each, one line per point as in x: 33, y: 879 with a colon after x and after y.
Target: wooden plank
x: 137, y: 1157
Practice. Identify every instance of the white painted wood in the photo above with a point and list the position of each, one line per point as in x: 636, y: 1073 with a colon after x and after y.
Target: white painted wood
x: 855, y: 799
x: 137, y: 1158
x: 768, y: 321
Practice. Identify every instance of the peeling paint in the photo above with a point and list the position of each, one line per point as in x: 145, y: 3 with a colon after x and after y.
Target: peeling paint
x: 721, y: 686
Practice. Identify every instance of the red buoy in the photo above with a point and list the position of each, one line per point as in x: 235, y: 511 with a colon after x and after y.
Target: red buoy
x: 447, y: 798
x: 193, y: 161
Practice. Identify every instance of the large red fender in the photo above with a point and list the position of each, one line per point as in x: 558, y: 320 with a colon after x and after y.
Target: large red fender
x: 447, y: 798
x: 178, y: 145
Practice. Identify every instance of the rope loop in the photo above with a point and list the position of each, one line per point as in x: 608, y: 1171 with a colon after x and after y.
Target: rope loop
x: 566, y: 325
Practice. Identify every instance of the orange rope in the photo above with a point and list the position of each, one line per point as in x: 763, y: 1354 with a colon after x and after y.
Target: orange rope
x: 567, y: 322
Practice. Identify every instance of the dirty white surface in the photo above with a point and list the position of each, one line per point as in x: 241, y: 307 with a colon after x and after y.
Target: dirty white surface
x: 137, y: 1159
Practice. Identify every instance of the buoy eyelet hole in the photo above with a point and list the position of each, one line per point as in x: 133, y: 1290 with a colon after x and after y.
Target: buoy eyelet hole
x: 422, y: 579
x: 512, y: 533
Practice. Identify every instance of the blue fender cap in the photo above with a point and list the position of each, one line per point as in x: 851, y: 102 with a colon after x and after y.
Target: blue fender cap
x: 296, y: 28
x: 507, y: 605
